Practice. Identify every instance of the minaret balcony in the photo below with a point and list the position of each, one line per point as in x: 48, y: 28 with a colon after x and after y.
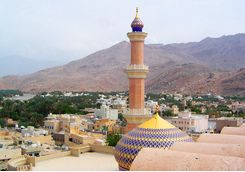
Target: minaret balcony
x: 137, y: 71
x: 137, y: 67
x: 138, y: 112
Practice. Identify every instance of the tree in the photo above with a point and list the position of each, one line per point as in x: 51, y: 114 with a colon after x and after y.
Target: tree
x: 122, y: 119
x: 2, y: 122
x: 167, y: 113
x: 112, y: 139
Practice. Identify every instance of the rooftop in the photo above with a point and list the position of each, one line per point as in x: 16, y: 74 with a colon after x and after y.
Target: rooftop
x: 86, y: 162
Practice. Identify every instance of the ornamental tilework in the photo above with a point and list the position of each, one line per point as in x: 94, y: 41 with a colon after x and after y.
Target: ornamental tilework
x: 131, y: 143
x: 137, y: 25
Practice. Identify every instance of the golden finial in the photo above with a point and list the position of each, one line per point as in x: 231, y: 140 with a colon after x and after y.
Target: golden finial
x: 137, y: 11
x: 156, y: 110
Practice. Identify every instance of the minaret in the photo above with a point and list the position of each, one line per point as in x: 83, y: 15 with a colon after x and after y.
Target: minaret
x: 137, y: 73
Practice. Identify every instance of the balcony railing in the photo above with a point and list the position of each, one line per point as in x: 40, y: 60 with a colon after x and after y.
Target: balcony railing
x: 137, y: 67
x: 145, y: 112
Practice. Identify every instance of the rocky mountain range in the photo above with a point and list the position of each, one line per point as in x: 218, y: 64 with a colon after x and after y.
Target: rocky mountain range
x: 215, y: 65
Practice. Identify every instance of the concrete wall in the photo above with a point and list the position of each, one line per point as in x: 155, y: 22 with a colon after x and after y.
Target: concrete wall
x: 102, y: 149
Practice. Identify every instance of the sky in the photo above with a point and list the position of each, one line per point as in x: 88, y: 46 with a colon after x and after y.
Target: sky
x: 65, y: 30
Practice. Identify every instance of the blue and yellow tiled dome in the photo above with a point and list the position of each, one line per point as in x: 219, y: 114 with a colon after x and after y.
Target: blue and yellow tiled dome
x: 154, y: 133
x: 137, y: 25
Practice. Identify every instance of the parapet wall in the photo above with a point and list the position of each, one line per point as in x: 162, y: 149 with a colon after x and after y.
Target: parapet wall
x: 102, y: 149
x: 150, y: 159
x: 51, y: 156
x: 25, y: 163
x: 233, y: 131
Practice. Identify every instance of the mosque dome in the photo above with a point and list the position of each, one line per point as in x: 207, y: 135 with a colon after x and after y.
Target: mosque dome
x: 137, y: 25
x: 154, y: 133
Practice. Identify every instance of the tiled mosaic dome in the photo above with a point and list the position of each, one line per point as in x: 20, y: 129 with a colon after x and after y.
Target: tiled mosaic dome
x: 137, y: 25
x: 154, y: 133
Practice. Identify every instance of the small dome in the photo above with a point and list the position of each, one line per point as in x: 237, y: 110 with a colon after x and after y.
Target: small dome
x: 154, y: 133
x: 137, y: 25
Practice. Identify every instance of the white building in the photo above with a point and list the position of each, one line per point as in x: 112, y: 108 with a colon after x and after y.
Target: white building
x: 188, y: 122
x: 31, y: 131
x: 106, y: 112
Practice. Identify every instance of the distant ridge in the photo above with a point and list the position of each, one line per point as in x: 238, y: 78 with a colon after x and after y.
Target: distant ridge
x: 211, y: 65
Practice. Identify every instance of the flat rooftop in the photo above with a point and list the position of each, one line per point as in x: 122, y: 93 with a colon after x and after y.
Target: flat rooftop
x: 90, y: 161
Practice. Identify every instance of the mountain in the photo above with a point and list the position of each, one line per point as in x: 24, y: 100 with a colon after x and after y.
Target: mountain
x: 18, y: 65
x: 211, y: 65
x: 226, y: 52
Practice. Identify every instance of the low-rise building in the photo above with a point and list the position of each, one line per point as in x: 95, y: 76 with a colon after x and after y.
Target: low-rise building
x: 81, y: 139
x: 106, y: 112
x: 101, y: 123
x: 31, y: 150
x: 52, y: 125
x: 59, y: 138
x: 31, y: 131
x: 191, y: 123
x: 225, y: 122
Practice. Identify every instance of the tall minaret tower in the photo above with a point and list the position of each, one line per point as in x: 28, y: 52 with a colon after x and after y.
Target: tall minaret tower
x: 137, y: 73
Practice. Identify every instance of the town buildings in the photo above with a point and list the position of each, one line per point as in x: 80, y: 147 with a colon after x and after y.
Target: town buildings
x: 220, y: 123
x: 106, y: 112
x: 190, y: 123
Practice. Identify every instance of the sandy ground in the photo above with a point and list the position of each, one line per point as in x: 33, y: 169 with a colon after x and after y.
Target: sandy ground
x: 86, y: 162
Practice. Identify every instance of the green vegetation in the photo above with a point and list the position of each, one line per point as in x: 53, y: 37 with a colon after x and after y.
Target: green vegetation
x: 236, y: 98
x: 167, y: 113
x: 2, y: 122
x: 34, y: 111
x: 122, y: 119
x: 112, y: 139
x: 9, y: 93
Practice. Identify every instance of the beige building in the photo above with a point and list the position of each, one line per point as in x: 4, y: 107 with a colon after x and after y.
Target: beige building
x: 57, y: 123
x: 225, y: 122
x: 81, y: 139
x: 99, y: 124
x: 188, y: 122
x: 52, y: 125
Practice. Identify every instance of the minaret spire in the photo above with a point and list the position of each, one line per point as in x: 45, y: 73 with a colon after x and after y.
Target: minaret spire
x: 137, y: 11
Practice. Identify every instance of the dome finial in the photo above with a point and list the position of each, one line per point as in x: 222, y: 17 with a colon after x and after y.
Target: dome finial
x: 156, y: 110
x: 137, y: 25
x: 137, y: 11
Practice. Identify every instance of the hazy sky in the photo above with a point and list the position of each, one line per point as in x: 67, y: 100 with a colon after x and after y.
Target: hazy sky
x: 71, y: 29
